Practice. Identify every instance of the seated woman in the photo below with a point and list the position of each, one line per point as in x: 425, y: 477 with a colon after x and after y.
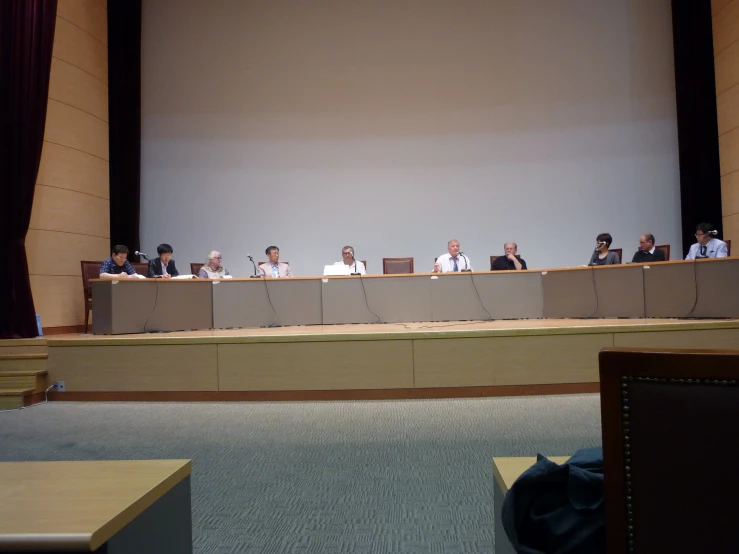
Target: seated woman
x: 213, y: 268
x: 602, y: 256
x: 163, y: 266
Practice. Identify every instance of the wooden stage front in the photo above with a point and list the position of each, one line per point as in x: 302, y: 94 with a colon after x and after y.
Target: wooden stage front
x: 329, y: 362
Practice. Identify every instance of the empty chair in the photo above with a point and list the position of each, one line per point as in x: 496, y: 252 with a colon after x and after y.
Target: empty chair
x: 396, y: 265
x: 90, y: 270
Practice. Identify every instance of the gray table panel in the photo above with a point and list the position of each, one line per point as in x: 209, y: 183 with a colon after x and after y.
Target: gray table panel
x: 343, y: 301
x: 241, y: 304
x: 137, y: 306
x: 669, y: 289
x: 453, y: 298
x: 511, y: 294
x: 296, y: 301
x: 400, y: 299
x: 718, y: 290
x: 569, y: 293
x: 620, y: 291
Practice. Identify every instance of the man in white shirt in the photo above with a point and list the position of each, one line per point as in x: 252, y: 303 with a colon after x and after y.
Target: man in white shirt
x: 454, y: 260
x: 349, y: 263
x: 707, y: 246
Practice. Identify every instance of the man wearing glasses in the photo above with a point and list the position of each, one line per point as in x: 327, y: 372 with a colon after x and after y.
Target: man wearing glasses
x: 350, y: 264
x: 118, y: 266
x: 707, y: 246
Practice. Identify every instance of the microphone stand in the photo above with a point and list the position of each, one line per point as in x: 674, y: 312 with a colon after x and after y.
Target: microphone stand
x: 466, y: 263
x: 355, y: 266
x: 255, y: 276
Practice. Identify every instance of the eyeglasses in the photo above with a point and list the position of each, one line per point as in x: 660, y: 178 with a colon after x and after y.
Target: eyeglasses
x: 216, y: 258
x: 697, y: 235
x: 347, y: 253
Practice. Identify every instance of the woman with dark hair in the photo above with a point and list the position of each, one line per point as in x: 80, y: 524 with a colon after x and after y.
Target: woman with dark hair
x: 163, y: 266
x: 602, y: 256
x: 708, y: 246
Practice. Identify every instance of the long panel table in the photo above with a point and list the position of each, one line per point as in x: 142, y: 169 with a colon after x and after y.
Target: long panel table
x: 704, y: 288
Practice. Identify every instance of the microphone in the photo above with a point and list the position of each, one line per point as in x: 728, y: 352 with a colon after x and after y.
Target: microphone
x: 142, y: 255
x: 355, y: 265
x: 601, y: 243
x: 255, y: 276
x: 714, y: 232
x: 466, y: 262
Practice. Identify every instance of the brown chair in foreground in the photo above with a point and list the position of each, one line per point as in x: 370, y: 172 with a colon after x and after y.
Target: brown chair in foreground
x: 670, y: 439
x: 391, y: 266
x: 617, y: 251
x: 664, y: 248
x: 195, y: 268
x: 90, y: 270
x: 142, y: 268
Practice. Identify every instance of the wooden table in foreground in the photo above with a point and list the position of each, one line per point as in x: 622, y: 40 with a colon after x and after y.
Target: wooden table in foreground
x: 506, y: 471
x: 110, y: 507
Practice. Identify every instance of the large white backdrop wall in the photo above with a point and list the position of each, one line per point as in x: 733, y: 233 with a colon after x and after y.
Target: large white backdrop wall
x: 395, y: 125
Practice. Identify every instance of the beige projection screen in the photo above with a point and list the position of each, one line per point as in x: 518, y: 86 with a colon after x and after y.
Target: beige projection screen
x: 394, y: 126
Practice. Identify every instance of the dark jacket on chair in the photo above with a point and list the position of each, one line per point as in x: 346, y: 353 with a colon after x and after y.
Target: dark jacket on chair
x: 155, y: 268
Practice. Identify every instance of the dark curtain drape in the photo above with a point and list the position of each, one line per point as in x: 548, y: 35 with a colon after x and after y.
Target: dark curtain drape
x: 124, y: 110
x: 26, y: 42
x: 697, y: 127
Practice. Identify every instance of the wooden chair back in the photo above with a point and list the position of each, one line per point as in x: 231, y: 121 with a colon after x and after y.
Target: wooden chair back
x: 618, y: 253
x: 195, y: 267
x: 669, y: 435
x: 728, y: 247
x: 666, y: 249
x: 90, y: 270
x: 391, y: 266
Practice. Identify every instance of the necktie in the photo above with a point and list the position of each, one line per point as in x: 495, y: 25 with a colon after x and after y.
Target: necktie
x: 275, y: 271
x: 456, y: 267
x: 703, y: 250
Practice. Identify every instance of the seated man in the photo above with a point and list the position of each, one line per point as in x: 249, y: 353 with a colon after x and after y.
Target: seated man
x: 509, y: 261
x: 274, y: 267
x: 453, y: 260
x: 163, y: 266
x: 348, y: 262
x: 707, y: 246
x: 647, y: 253
x: 118, y: 266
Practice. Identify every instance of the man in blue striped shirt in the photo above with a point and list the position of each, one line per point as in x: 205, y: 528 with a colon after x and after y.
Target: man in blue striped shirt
x: 118, y: 266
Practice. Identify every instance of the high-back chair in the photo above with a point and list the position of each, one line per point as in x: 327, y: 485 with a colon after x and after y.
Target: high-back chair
x: 396, y: 265
x: 669, y: 442
x: 90, y: 270
x: 666, y: 249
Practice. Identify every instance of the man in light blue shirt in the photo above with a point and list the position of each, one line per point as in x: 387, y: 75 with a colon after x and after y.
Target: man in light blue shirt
x: 274, y: 268
x: 707, y: 246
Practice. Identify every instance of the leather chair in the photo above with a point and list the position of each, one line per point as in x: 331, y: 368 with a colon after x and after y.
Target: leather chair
x: 90, y: 270
x: 669, y: 442
x: 618, y: 251
x: 391, y: 266
x: 142, y: 268
x: 728, y: 246
x: 195, y: 268
x: 664, y: 248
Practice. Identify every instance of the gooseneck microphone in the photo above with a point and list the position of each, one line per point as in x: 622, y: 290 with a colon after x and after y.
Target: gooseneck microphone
x: 256, y: 275
x: 355, y: 265
x: 142, y: 255
x: 466, y: 262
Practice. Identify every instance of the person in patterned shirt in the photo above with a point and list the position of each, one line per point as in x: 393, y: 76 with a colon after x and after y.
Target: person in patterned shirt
x: 118, y: 266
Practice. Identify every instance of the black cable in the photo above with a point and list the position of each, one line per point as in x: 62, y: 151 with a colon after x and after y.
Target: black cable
x: 595, y: 291
x: 472, y: 278
x: 151, y: 313
x: 695, y: 283
x: 269, y: 298
x: 379, y: 320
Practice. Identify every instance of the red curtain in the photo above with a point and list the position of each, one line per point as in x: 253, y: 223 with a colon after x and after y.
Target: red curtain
x: 26, y: 41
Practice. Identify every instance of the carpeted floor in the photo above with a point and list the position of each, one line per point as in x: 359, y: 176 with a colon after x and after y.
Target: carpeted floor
x: 321, y: 477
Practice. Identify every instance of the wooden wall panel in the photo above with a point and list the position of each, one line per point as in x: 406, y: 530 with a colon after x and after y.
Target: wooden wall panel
x: 70, y: 211
x: 731, y: 229
x: 58, y: 298
x: 89, y: 15
x: 55, y: 253
x: 730, y: 194
x: 713, y: 339
x: 72, y: 127
x: 72, y: 86
x: 718, y: 5
x: 508, y: 360
x: 67, y: 168
x: 726, y: 27
x: 316, y: 365
x: 729, y: 152
x: 81, y: 49
x: 727, y: 68
x: 183, y: 367
x: 727, y: 107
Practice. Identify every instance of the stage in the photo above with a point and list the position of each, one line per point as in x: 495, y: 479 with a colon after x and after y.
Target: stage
x: 362, y: 361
